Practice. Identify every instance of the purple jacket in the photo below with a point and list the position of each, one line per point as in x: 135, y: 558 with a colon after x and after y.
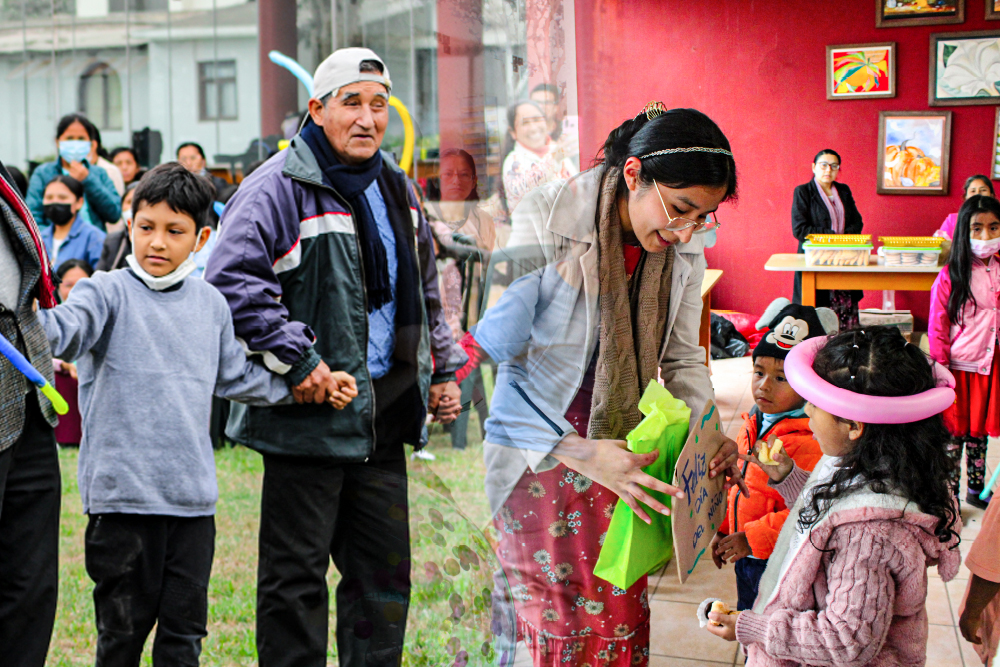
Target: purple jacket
x: 288, y: 262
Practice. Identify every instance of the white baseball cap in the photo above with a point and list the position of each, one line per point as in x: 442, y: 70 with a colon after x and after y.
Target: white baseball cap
x: 343, y: 67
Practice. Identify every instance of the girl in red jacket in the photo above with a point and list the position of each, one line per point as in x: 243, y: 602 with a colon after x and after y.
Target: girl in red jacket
x: 847, y: 582
x: 752, y: 524
x: 962, y: 331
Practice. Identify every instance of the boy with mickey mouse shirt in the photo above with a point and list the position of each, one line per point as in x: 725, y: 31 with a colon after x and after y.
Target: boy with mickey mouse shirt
x: 751, y: 527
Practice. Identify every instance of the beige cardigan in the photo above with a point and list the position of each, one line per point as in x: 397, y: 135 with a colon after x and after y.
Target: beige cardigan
x: 557, y: 221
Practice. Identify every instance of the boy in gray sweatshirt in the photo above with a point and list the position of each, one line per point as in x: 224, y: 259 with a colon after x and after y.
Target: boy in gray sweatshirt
x: 153, y: 346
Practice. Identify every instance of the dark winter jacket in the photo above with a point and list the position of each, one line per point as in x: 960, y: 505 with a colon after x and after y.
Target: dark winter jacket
x: 288, y: 262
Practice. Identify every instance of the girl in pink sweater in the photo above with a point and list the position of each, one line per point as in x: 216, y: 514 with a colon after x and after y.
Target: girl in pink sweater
x: 847, y: 582
x: 962, y: 331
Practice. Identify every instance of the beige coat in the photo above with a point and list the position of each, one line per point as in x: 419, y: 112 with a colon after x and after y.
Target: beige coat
x: 545, y: 328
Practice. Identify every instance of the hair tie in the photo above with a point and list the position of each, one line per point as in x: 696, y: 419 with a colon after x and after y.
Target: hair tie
x: 652, y: 110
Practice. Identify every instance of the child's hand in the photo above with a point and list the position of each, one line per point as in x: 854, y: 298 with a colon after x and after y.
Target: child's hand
x: 733, y: 547
x: 347, y: 389
x: 726, y: 627
x: 713, y: 547
x: 776, y: 473
x: 969, y: 625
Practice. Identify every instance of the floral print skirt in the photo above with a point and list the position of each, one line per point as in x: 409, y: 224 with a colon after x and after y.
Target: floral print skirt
x: 551, y: 530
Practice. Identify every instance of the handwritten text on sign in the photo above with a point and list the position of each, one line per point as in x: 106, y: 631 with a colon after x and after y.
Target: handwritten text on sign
x: 695, y: 519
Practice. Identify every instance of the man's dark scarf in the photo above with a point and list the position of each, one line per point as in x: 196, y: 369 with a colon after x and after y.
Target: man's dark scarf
x: 351, y: 181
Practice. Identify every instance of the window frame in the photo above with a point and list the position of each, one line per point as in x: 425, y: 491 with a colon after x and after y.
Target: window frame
x: 204, y: 80
x: 99, y: 74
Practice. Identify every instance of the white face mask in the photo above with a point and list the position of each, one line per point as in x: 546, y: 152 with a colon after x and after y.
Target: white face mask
x: 985, y: 249
x: 160, y: 283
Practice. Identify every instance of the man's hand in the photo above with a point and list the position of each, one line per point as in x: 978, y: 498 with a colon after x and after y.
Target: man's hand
x: 317, y: 386
x: 732, y: 548
x: 78, y: 171
x: 445, y: 401
x: 727, y: 461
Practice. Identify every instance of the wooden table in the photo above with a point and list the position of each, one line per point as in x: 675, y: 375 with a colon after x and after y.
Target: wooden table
x: 712, y: 276
x: 871, y: 277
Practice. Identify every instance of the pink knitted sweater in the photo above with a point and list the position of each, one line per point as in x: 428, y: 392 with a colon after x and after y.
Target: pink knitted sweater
x: 861, y: 603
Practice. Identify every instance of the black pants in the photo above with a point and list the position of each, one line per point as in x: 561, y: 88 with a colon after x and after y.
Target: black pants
x: 748, y: 574
x: 313, y: 510
x: 150, y: 569
x: 30, y: 492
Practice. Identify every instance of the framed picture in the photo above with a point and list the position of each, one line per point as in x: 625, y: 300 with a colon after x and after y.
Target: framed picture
x: 892, y: 13
x: 964, y: 68
x: 913, y: 152
x: 995, y: 164
x: 858, y: 71
x: 992, y: 10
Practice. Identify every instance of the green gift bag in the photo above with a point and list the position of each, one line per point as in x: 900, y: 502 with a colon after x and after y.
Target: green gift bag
x: 631, y: 547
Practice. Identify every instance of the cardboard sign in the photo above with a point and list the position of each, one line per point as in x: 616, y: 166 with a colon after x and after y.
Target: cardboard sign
x: 697, y: 516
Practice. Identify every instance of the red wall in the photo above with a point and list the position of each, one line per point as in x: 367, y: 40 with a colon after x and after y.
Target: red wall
x: 757, y: 68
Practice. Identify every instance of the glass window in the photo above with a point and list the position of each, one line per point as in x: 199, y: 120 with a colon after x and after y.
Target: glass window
x: 217, y: 91
x: 101, y: 96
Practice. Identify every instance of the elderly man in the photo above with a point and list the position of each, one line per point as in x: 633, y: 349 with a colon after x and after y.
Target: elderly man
x: 327, y: 263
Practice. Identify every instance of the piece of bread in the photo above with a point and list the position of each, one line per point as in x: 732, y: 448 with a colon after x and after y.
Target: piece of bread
x: 766, y: 455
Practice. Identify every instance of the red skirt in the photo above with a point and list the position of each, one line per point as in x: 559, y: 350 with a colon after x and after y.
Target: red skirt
x: 976, y: 411
x: 551, y: 530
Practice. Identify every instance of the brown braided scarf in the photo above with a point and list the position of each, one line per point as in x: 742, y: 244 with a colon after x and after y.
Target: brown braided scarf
x: 627, y: 362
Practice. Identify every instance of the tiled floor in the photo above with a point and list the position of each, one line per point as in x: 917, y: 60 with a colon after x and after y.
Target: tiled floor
x: 676, y: 639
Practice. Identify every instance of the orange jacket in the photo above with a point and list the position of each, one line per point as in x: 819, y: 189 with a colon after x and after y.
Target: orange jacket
x: 762, y: 514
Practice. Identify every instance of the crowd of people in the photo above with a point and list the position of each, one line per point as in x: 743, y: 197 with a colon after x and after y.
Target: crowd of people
x: 341, y: 307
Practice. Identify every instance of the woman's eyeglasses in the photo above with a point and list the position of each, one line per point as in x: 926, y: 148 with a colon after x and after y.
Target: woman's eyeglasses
x: 679, y: 224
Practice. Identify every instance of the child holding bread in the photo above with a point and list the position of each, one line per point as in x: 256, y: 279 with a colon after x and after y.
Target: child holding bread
x: 776, y: 423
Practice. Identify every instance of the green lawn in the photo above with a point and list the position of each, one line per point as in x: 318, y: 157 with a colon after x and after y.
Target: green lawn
x: 451, y: 557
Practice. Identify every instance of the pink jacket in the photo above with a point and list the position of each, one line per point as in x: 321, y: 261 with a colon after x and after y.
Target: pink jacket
x: 859, y: 604
x: 969, y: 347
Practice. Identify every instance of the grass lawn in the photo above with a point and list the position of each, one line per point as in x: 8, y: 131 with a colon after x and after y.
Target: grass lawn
x: 451, y: 561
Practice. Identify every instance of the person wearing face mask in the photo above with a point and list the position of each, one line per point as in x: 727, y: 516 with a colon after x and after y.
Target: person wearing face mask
x: 99, y: 157
x: 824, y: 206
x: 68, y: 237
x: 117, y: 245
x: 613, y: 302
x: 531, y: 156
x: 101, y: 202
x: 962, y: 331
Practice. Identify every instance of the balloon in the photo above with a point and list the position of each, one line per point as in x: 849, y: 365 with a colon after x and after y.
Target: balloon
x: 863, y: 407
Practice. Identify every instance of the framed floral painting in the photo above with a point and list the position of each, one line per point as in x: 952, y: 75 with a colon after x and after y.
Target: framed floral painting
x: 857, y: 71
x: 893, y: 13
x: 992, y: 10
x: 964, y: 68
x: 913, y: 152
x: 995, y: 164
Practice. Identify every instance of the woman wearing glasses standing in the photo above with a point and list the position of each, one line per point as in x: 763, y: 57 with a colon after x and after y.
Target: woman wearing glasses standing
x: 824, y: 206
x: 612, y: 295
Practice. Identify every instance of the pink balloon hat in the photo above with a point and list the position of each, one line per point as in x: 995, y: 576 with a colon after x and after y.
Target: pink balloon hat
x: 864, y: 407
